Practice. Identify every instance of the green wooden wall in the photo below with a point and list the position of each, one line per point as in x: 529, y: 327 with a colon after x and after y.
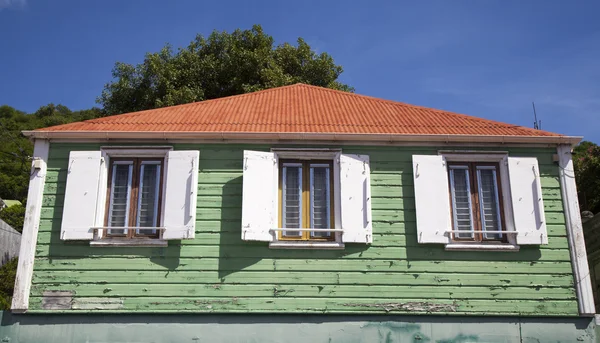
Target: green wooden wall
x: 218, y: 272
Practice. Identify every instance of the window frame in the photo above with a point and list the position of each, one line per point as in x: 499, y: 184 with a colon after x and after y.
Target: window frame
x: 504, y: 194
x: 133, y: 198
x: 110, y: 153
x: 477, y: 224
x: 306, y: 198
x: 302, y: 154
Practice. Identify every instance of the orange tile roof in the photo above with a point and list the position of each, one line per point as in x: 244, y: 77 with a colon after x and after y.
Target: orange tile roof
x: 300, y: 108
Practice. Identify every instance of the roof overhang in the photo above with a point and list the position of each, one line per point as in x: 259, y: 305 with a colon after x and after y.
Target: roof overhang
x: 298, y: 136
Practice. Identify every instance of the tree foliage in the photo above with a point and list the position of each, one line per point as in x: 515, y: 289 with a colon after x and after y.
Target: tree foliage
x: 586, y: 161
x: 219, y: 65
x: 16, y: 150
x: 8, y: 273
x: 14, y: 216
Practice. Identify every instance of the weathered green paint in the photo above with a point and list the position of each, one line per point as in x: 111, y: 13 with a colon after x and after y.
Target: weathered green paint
x: 218, y: 272
x: 68, y: 328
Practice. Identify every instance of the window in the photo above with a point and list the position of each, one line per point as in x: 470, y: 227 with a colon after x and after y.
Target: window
x: 476, y: 203
x: 306, y: 199
x: 134, y: 195
x: 486, y: 200
x: 131, y: 196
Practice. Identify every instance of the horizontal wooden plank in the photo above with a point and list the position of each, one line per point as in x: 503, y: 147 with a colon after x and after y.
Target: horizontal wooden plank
x: 379, y: 227
x: 236, y: 166
x: 220, y: 165
x: 382, y: 211
x: 235, y: 201
x: 219, y: 190
x: 396, y: 178
x: 339, y: 305
x: 377, y: 191
x: 259, y: 250
x: 297, y: 265
x: 224, y: 213
x: 307, y: 291
x: 311, y: 278
x: 393, y: 153
x: 219, y: 178
x: 234, y: 238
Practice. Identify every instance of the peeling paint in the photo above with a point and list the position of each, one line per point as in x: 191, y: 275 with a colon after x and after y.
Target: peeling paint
x: 57, y: 300
x: 281, y: 292
x: 92, y: 303
x: 418, y: 306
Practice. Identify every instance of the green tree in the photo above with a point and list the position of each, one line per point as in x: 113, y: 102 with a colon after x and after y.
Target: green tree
x: 14, y: 216
x: 16, y: 150
x: 586, y: 161
x: 8, y: 273
x: 220, y: 65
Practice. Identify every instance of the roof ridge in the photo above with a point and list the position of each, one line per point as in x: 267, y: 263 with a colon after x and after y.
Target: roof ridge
x: 345, y: 110
x: 319, y: 88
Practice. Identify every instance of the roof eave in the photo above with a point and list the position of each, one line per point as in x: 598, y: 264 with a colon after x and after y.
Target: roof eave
x: 300, y: 136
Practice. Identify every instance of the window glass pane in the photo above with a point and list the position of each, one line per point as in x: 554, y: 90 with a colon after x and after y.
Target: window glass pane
x: 119, y: 198
x: 488, y: 201
x: 319, y: 200
x: 461, y: 201
x: 147, y: 210
x: 292, y: 198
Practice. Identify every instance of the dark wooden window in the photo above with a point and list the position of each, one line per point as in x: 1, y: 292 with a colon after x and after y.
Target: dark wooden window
x: 134, y: 195
x: 306, y: 199
x: 476, y: 201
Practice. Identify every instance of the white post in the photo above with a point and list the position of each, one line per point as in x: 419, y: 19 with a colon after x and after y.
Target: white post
x: 37, y: 179
x: 583, y: 284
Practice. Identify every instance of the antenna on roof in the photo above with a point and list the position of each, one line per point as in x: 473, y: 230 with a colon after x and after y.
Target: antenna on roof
x: 536, y: 124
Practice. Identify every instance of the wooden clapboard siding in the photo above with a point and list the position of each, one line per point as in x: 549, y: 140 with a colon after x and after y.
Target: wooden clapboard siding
x: 218, y: 272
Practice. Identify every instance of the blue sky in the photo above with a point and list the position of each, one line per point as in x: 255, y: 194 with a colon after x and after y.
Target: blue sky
x: 485, y: 58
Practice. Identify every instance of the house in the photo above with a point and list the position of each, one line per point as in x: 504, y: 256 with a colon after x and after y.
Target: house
x: 4, y: 203
x: 591, y: 226
x: 10, y: 241
x: 301, y: 213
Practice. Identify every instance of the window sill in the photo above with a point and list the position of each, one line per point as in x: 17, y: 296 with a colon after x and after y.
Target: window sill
x: 306, y: 245
x: 121, y: 242
x: 481, y: 247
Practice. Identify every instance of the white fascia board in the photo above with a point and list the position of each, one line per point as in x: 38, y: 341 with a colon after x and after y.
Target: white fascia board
x: 37, y: 179
x: 300, y: 136
x: 581, y: 271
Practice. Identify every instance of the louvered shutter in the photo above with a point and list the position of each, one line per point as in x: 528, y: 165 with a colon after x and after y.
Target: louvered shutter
x: 527, y: 202
x: 355, y: 194
x: 181, y: 192
x: 432, y: 199
x: 260, y: 194
x: 81, y: 195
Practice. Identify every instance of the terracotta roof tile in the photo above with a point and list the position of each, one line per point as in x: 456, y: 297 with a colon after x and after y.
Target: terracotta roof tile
x: 301, y: 108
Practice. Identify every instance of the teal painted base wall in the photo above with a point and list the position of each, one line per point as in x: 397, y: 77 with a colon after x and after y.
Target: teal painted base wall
x: 217, y: 272
x: 291, y: 328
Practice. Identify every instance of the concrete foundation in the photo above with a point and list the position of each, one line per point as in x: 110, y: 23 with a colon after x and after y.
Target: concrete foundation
x: 290, y: 328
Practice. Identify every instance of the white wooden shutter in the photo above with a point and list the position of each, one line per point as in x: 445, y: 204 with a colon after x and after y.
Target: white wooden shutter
x: 181, y: 193
x: 81, y: 195
x: 432, y: 199
x: 526, y: 198
x: 355, y: 194
x: 260, y: 194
